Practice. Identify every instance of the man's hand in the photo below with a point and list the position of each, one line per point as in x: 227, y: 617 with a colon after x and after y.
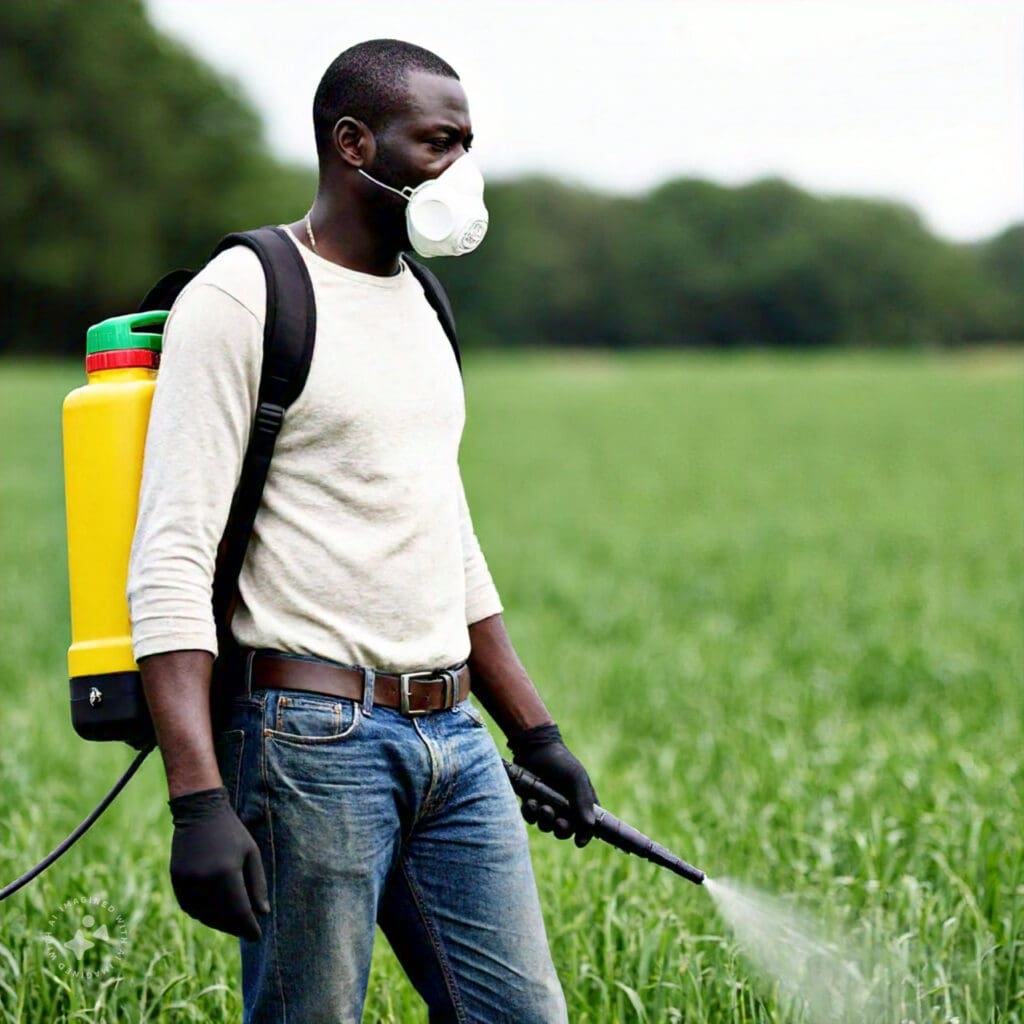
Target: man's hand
x: 540, y: 750
x: 215, y: 864
x: 216, y: 869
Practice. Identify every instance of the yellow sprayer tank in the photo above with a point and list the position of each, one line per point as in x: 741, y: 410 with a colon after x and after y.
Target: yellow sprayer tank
x: 105, y: 424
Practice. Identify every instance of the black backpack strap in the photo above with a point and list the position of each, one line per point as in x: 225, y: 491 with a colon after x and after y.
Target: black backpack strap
x: 165, y: 291
x: 289, y: 333
x: 438, y: 299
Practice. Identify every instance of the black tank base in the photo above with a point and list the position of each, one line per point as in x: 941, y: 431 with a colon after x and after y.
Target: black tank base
x: 111, y: 706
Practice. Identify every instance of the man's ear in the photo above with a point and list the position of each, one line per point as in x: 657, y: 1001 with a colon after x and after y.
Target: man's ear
x: 354, y: 142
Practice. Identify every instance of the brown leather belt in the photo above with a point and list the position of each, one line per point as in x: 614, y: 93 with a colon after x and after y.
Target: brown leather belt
x: 411, y: 693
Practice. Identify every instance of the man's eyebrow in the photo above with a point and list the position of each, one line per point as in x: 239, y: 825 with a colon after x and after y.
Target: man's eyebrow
x: 449, y: 129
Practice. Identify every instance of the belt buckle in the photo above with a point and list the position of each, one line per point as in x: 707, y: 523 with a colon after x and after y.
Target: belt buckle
x: 433, y: 676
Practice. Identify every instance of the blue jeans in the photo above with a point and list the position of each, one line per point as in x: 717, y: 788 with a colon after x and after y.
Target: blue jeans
x: 375, y: 818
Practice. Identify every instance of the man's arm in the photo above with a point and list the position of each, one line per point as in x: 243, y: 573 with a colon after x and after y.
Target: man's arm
x: 198, y: 428
x: 510, y: 698
x: 503, y: 687
x: 177, y: 686
x: 500, y: 681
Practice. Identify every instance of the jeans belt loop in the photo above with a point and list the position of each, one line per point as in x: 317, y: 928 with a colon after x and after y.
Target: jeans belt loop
x: 369, y: 678
x: 247, y: 673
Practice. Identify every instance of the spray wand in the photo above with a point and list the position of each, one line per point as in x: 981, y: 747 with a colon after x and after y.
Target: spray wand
x: 609, y: 828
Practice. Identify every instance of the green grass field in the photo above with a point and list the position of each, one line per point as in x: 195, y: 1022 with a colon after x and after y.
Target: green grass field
x: 776, y: 604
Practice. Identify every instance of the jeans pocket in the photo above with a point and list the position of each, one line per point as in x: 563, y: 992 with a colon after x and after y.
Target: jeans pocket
x: 469, y: 709
x: 228, y: 748
x: 310, y: 718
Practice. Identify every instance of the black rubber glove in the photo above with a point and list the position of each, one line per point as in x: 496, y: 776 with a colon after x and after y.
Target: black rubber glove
x: 216, y: 869
x: 540, y: 750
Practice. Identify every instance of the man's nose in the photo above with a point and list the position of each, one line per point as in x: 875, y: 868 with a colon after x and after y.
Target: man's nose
x: 457, y: 150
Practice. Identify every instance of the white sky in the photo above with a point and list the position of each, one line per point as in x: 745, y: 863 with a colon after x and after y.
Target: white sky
x: 918, y: 100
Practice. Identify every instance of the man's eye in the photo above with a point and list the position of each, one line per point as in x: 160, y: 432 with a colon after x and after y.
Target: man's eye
x: 441, y: 144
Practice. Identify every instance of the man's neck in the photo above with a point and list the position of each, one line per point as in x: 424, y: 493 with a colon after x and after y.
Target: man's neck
x: 343, y: 234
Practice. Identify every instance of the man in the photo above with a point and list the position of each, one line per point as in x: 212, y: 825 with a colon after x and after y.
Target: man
x: 324, y: 805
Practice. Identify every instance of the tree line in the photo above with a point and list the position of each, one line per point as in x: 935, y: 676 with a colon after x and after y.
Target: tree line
x: 126, y: 156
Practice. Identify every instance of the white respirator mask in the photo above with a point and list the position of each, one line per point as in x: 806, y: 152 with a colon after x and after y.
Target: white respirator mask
x: 446, y: 215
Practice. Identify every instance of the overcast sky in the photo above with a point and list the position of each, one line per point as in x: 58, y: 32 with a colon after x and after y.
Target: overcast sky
x: 919, y: 100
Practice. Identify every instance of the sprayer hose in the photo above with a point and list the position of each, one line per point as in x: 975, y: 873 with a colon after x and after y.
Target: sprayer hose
x: 66, y: 844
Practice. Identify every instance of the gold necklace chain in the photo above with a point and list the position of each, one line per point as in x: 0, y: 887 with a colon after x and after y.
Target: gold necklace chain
x: 309, y: 234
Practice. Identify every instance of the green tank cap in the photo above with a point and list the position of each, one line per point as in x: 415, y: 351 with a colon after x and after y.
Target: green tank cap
x: 120, y: 332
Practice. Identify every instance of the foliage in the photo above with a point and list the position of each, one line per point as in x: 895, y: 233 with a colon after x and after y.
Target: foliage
x: 1002, y: 260
x: 774, y: 603
x: 126, y: 156
x: 698, y: 264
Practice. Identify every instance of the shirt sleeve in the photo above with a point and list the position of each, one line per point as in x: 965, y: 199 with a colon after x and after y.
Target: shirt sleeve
x: 198, y: 430
x: 482, y: 599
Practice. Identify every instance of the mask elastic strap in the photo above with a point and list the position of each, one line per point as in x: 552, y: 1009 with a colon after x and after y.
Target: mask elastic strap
x: 405, y: 193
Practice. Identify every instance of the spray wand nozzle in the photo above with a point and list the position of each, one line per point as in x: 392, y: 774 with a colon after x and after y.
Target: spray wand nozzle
x: 609, y: 828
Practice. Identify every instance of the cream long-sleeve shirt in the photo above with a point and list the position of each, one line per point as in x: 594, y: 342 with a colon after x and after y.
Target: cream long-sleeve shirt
x: 363, y: 551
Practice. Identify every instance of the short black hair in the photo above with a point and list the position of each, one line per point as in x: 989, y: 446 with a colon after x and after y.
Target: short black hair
x: 367, y: 81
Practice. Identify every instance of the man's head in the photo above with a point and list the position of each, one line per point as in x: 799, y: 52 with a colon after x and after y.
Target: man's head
x: 370, y: 83
x: 394, y: 110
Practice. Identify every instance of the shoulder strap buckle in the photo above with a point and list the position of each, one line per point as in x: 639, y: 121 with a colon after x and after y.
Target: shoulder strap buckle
x: 268, y: 420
